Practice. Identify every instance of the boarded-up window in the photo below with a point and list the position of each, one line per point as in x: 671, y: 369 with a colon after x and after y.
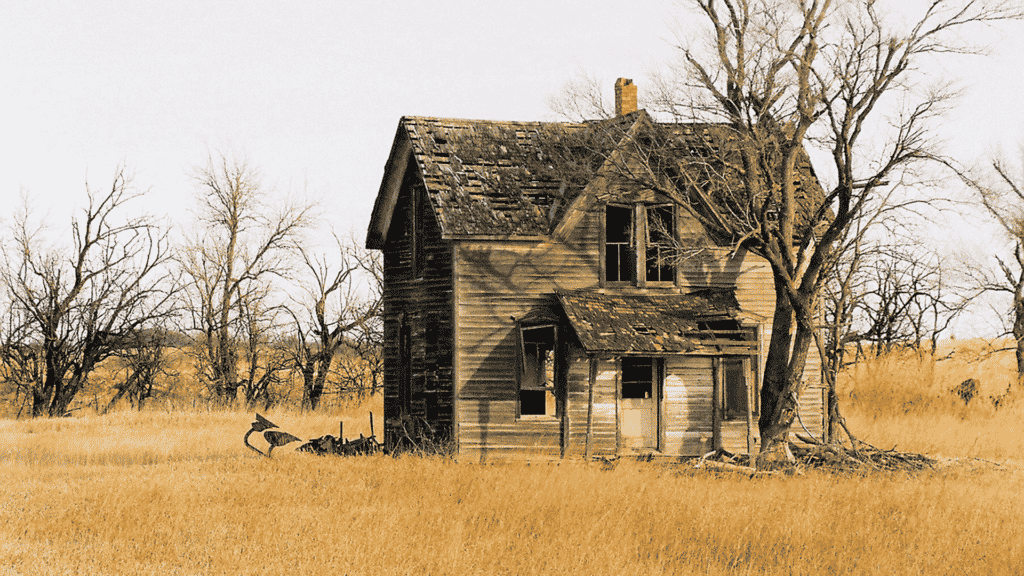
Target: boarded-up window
x: 537, y: 373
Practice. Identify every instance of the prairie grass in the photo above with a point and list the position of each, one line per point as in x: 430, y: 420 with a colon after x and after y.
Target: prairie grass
x: 905, y: 400
x: 176, y: 493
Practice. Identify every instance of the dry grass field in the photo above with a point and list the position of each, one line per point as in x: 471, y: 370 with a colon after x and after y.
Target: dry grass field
x: 175, y: 492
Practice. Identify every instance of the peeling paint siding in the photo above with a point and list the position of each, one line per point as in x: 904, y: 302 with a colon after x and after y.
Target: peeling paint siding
x: 603, y: 440
x: 496, y: 282
x: 687, y: 405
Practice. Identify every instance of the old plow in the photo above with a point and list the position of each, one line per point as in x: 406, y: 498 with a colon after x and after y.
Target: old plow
x: 323, y: 446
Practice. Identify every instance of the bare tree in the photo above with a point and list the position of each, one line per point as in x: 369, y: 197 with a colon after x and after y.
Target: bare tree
x: 265, y: 357
x: 1002, y: 195
x: 68, y: 309
x: 241, y: 244
x: 341, y: 307
x: 143, y: 356
x: 784, y: 76
x: 769, y: 80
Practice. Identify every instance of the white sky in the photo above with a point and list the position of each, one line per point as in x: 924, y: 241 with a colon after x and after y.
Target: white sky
x: 311, y: 91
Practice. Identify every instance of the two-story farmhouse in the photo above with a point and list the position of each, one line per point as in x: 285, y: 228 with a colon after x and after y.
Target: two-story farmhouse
x: 539, y: 301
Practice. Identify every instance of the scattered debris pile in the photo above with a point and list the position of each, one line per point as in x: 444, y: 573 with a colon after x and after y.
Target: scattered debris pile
x: 330, y: 446
x: 322, y: 446
x: 859, y: 457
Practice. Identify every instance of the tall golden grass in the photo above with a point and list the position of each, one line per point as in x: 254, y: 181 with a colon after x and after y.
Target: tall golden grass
x: 177, y: 493
x: 905, y: 400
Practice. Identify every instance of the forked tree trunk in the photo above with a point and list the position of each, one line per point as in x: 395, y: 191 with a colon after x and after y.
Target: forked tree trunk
x: 783, y: 382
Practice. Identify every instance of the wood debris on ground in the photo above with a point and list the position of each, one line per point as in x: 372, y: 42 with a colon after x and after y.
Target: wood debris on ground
x: 859, y: 457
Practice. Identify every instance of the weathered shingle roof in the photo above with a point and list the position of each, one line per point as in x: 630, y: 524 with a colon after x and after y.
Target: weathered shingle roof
x: 497, y: 178
x: 503, y: 178
x: 657, y: 324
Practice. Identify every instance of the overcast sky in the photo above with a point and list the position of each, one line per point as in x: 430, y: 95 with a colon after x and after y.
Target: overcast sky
x: 312, y: 91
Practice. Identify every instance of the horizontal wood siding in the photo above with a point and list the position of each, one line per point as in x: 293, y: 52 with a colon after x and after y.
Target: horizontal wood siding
x: 603, y: 439
x: 686, y: 406
x: 755, y: 291
x: 423, y: 304
x: 495, y: 283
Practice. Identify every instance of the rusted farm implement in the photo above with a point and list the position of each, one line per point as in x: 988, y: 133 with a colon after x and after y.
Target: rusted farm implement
x: 322, y: 446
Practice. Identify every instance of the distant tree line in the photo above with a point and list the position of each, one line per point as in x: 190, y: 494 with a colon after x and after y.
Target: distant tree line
x: 241, y: 311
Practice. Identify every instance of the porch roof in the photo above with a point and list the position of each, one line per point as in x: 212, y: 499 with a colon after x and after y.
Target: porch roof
x: 701, y: 322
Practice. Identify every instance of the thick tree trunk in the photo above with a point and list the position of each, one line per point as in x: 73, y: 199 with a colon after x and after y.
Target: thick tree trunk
x: 225, y: 365
x: 783, y: 383
x: 316, y: 380
x: 1018, y: 331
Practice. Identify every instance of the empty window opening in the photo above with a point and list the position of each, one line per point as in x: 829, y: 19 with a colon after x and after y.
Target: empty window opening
x: 537, y: 386
x: 637, y: 377
x: 619, y: 244
x: 640, y: 243
x: 735, y: 395
x: 660, y: 243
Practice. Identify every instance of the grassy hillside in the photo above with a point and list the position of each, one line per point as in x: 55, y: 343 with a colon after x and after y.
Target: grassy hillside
x: 906, y: 400
x: 175, y: 492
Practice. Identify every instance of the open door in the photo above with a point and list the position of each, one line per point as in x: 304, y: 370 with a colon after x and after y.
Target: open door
x: 639, y: 404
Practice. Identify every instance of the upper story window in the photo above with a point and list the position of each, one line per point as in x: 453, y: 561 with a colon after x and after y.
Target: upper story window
x: 639, y: 243
x: 660, y: 242
x: 620, y: 265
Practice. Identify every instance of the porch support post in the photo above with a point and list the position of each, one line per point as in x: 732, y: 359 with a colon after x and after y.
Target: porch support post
x: 716, y: 403
x: 618, y: 408
x: 748, y: 379
x: 590, y: 405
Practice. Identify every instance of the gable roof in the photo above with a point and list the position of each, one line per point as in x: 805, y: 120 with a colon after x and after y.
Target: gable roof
x: 658, y: 323
x: 496, y: 178
x: 524, y: 179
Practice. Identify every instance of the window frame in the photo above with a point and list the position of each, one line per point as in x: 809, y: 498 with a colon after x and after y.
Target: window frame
x: 731, y: 410
x: 665, y: 245
x: 628, y: 247
x: 655, y: 380
x: 639, y: 245
x: 549, y: 373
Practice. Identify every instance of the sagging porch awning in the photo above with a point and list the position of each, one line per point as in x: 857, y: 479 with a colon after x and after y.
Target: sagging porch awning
x: 705, y: 322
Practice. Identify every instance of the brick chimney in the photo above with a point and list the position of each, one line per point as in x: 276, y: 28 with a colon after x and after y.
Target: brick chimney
x: 625, y: 96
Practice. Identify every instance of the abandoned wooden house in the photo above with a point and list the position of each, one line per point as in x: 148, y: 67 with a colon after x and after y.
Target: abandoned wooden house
x: 537, y: 302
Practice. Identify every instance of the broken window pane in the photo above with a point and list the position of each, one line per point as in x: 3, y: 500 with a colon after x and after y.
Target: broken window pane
x: 660, y: 234
x: 637, y: 377
x: 537, y: 387
x: 735, y: 396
